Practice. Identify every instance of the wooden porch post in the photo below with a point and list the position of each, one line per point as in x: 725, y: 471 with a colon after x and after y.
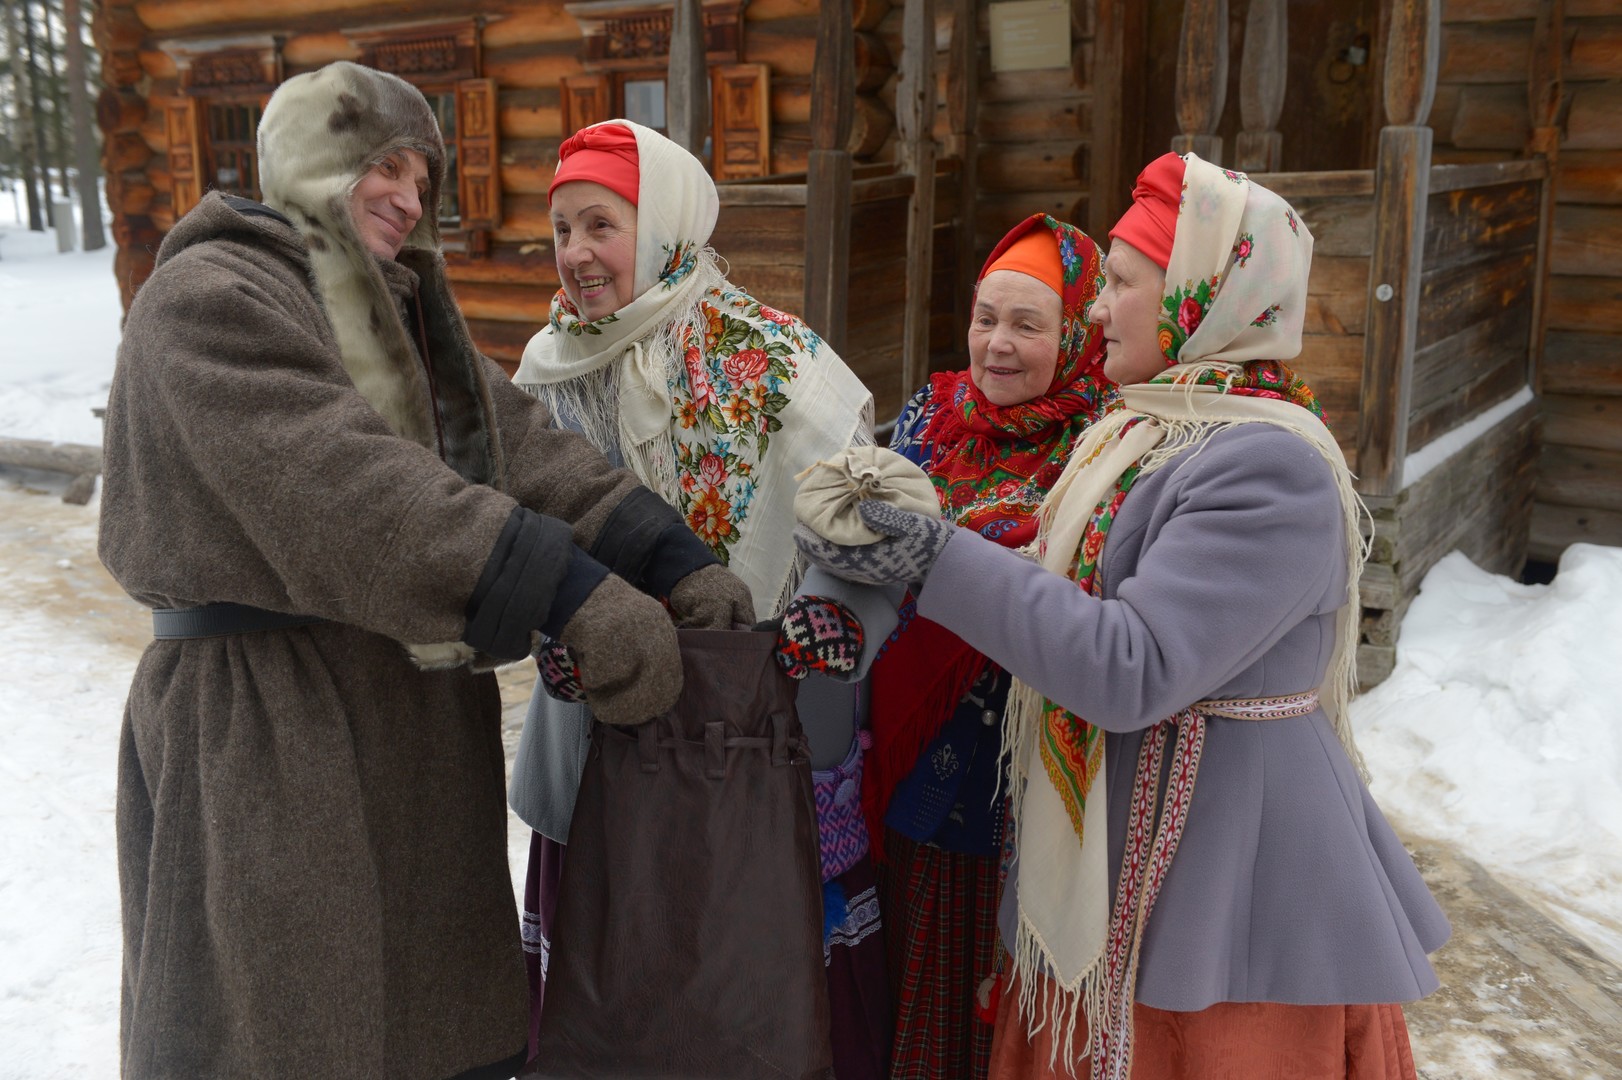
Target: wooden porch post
x: 688, y: 111
x: 1202, y: 78
x: 1545, y: 86
x: 915, y: 153
x: 827, y: 201
x: 1262, y: 70
x: 1116, y: 127
x: 962, y: 112
x: 1401, y: 190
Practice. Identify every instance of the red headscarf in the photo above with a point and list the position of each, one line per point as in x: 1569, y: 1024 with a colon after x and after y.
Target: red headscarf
x: 1150, y: 223
x: 604, y: 154
x: 992, y: 463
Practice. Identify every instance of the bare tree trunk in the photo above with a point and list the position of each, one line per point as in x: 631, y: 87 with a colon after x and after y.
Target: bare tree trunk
x: 25, y: 119
x: 53, y: 87
x: 36, y: 123
x: 86, y: 147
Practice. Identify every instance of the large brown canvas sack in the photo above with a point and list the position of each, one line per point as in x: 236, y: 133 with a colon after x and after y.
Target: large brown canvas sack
x: 687, y: 942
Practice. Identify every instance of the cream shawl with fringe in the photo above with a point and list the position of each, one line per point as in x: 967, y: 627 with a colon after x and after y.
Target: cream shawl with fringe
x: 714, y: 400
x: 1235, y: 291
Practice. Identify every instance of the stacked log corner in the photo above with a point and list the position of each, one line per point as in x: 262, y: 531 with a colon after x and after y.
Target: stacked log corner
x: 122, y: 113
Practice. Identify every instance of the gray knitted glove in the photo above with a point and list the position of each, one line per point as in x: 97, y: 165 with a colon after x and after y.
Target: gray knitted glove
x: 712, y: 598
x: 630, y: 665
x: 910, y: 548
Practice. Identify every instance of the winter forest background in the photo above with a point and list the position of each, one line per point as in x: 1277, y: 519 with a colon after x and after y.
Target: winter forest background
x: 48, y: 79
x: 1495, y: 741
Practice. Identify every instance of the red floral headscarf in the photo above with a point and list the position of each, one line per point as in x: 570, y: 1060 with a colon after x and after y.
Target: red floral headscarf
x: 992, y: 464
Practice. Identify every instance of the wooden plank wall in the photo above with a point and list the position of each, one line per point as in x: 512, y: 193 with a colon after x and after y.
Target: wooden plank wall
x: 1477, y: 502
x: 1033, y: 132
x: 1579, y: 483
x: 1482, y: 112
x: 1476, y: 294
x: 1338, y: 207
x: 761, y: 232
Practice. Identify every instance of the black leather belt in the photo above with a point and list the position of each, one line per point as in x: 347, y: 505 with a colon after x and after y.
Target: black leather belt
x: 216, y: 620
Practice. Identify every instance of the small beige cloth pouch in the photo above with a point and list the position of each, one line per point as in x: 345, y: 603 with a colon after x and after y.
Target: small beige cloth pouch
x: 830, y: 491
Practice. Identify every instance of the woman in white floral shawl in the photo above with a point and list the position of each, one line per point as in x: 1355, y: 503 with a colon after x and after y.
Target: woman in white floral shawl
x: 713, y: 399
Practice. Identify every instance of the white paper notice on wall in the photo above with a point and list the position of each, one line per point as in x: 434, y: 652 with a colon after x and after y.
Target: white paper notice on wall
x: 1030, y: 34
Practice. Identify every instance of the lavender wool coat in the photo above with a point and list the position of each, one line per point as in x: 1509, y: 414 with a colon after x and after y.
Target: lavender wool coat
x: 1222, y: 574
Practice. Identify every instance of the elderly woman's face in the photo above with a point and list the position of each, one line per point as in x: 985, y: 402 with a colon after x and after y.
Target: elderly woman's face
x: 594, y: 233
x: 386, y: 202
x: 1014, y: 337
x: 1128, y: 314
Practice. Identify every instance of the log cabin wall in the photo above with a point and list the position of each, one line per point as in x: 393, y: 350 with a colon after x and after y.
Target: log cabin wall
x: 525, y: 47
x: 1498, y: 54
x: 761, y: 231
x: 1032, y: 134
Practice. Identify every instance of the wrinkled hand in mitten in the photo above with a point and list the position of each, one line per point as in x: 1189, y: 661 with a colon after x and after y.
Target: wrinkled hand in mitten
x: 712, y: 598
x: 910, y: 546
x: 819, y: 634
x: 559, y: 674
x: 625, y: 644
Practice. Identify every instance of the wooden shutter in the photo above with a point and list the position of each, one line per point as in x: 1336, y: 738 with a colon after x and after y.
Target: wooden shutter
x: 743, y: 120
x: 587, y: 100
x: 478, y: 153
x: 183, y: 125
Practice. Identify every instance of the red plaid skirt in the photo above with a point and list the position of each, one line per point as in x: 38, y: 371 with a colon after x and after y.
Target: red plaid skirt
x: 940, y: 924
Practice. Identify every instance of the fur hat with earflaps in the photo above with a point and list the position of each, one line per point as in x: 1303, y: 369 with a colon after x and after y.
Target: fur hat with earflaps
x: 320, y: 134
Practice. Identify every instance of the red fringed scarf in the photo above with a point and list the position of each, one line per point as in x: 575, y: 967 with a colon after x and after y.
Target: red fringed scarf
x: 992, y: 466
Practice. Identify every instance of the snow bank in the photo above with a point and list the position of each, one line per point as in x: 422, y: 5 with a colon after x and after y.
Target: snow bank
x: 59, y: 316
x: 1498, y: 730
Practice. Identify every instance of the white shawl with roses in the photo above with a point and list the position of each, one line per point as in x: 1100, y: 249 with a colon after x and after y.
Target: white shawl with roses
x: 712, y: 398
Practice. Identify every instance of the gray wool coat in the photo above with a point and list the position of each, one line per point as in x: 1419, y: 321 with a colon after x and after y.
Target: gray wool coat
x: 311, y: 830
x: 1222, y: 575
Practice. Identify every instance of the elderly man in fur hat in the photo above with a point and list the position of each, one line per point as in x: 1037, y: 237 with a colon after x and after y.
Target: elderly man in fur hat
x: 343, y: 516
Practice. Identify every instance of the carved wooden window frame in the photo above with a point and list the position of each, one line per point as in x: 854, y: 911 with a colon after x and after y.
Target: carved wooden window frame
x: 445, y: 58
x: 630, y: 41
x: 213, y: 72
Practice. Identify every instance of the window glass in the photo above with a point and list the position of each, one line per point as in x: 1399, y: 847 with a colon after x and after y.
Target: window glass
x: 645, y: 102
x: 443, y: 102
x: 232, y: 131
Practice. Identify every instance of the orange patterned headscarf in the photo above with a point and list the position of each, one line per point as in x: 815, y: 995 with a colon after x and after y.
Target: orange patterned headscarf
x: 992, y: 464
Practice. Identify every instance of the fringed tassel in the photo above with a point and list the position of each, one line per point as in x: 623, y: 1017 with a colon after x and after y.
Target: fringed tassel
x: 1046, y: 1003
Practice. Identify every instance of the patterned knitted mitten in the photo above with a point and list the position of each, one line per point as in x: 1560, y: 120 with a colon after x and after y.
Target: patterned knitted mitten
x: 911, y: 544
x: 819, y: 634
x: 560, y: 675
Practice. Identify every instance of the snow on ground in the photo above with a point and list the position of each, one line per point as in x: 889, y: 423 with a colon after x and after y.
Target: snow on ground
x: 1497, y: 730
x: 59, y: 316
x: 62, y: 687
x: 1495, y: 734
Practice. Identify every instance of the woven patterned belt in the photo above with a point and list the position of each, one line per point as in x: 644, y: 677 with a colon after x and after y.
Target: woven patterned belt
x: 218, y: 620
x: 1154, y: 829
